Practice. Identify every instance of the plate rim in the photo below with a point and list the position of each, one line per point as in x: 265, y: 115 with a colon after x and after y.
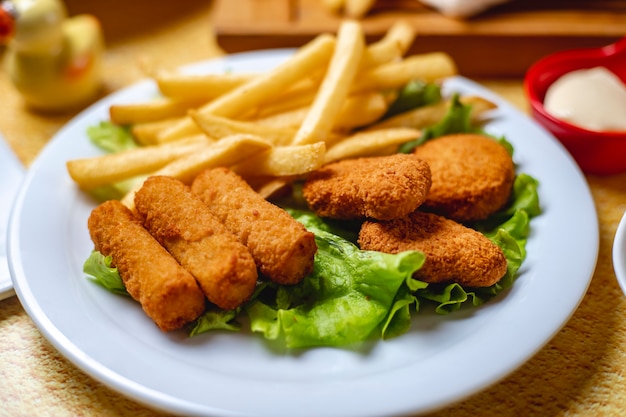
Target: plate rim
x: 13, y: 169
x: 619, y: 253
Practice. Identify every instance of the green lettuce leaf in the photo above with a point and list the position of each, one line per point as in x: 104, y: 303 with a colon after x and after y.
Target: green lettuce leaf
x: 343, y: 301
x: 415, y: 94
x: 110, y: 137
x: 215, y: 320
x: 98, y: 268
x: 456, y: 120
x: 115, y: 191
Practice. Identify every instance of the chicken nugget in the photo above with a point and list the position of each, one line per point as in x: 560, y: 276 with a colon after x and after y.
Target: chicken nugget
x: 220, y: 263
x: 166, y: 291
x: 382, y: 187
x: 454, y: 253
x: 472, y: 176
x: 281, y: 246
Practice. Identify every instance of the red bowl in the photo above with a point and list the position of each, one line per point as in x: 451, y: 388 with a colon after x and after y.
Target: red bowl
x: 599, y: 153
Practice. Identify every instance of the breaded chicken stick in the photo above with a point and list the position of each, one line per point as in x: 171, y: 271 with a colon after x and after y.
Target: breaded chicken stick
x: 281, y: 246
x: 166, y: 291
x: 454, y: 253
x: 220, y: 263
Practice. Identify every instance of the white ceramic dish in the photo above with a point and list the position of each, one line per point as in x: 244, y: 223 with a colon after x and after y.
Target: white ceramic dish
x: 11, y: 175
x: 619, y: 253
x: 440, y: 360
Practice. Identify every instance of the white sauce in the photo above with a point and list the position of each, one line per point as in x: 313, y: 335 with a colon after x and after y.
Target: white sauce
x: 594, y: 99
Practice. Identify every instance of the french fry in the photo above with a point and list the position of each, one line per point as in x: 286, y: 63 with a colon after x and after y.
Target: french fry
x: 288, y: 119
x: 299, y: 95
x: 218, y: 127
x: 199, y: 86
x: 307, y: 60
x: 93, y: 172
x: 392, y: 46
x: 283, y: 161
x: 360, y: 110
x: 427, y: 67
x: 357, y: 110
x: 370, y: 143
x: 356, y: 9
x: 425, y: 116
x: 335, y: 86
x: 226, y: 152
x: 287, y: 102
x: 150, y: 111
x: 268, y: 188
x: 146, y: 133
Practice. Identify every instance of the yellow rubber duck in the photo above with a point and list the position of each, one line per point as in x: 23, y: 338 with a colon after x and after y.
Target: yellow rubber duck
x: 53, y: 60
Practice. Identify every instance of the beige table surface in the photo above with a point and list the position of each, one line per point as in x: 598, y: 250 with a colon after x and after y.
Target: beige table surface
x: 581, y: 372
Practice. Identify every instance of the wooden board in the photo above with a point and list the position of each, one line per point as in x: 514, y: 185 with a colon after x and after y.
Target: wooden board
x: 502, y: 42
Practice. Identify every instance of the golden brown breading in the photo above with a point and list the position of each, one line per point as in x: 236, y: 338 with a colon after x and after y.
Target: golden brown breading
x: 166, y: 291
x: 281, y: 246
x: 220, y: 263
x: 454, y: 253
x: 383, y: 187
x: 472, y: 176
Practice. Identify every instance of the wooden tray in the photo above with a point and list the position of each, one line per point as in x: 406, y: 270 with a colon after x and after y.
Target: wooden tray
x: 502, y: 42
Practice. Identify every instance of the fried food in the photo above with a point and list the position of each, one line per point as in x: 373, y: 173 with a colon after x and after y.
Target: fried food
x: 454, y: 253
x: 220, y: 263
x: 281, y: 246
x: 472, y: 176
x: 166, y: 291
x: 382, y: 187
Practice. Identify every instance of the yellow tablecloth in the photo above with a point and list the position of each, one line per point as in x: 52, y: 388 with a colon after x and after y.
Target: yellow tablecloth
x: 582, y: 371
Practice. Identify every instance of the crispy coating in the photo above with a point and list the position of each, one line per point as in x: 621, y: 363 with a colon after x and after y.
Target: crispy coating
x: 454, y: 253
x: 166, y: 291
x: 382, y: 187
x: 472, y: 176
x: 220, y: 263
x: 281, y: 246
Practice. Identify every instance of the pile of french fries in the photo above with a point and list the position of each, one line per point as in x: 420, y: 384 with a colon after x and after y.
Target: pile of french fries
x: 322, y: 104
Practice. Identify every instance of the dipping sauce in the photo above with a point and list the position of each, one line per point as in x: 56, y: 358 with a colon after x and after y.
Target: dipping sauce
x: 594, y: 99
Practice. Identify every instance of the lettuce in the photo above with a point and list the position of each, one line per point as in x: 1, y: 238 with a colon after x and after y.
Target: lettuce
x: 112, y: 138
x: 415, y: 94
x: 98, y: 268
x: 215, y: 319
x: 456, y: 120
x: 346, y: 298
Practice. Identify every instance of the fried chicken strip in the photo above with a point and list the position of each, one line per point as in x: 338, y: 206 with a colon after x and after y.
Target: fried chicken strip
x: 281, y: 246
x: 382, y: 187
x: 168, y: 294
x: 454, y: 253
x: 220, y: 263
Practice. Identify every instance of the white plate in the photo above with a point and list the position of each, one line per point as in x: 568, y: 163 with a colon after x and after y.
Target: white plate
x: 442, y: 358
x: 619, y: 253
x: 11, y: 175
